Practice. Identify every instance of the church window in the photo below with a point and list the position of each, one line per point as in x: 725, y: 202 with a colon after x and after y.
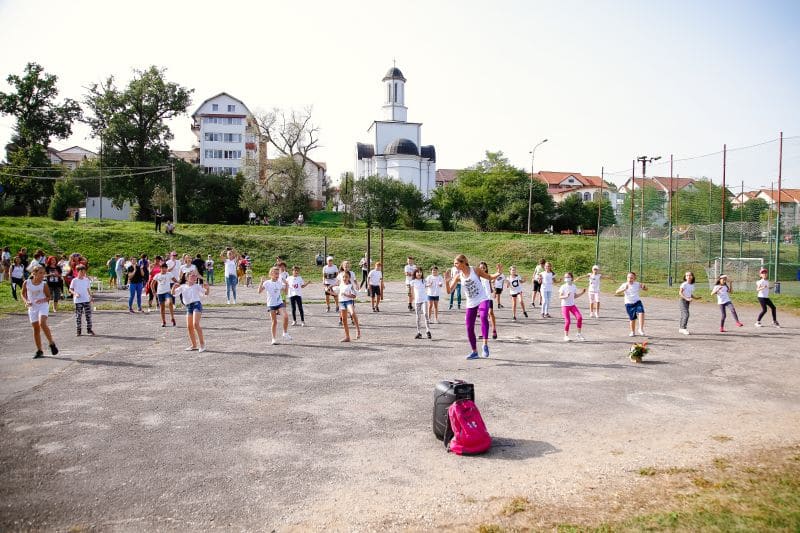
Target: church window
x: 395, y: 92
x: 388, y: 92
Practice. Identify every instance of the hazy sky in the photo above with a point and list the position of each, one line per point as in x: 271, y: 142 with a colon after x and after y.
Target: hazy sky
x: 604, y: 81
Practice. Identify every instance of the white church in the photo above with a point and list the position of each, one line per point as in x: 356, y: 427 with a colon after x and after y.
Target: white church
x: 396, y: 150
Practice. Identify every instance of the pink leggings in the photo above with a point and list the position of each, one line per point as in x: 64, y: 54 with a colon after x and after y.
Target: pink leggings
x: 571, y: 309
x: 469, y: 320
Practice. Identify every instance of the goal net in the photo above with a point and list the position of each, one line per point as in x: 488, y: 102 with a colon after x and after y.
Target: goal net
x: 739, y: 269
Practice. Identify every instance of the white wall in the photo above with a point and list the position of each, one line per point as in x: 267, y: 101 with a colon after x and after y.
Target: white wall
x: 109, y: 211
x: 386, y: 132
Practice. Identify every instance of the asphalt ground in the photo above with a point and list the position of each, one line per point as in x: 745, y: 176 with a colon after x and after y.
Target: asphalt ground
x: 127, y: 432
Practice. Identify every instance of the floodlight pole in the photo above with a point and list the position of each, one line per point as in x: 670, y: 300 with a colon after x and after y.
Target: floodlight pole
x: 644, y: 160
x: 631, y: 198
x: 530, y: 184
x: 778, y: 218
x: 599, y: 210
x: 722, y: 211
x: 671, y: 189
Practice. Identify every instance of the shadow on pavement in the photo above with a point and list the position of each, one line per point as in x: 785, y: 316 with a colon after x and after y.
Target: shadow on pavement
x: 518, y: 449
x: 557, y: 364
x: 100, y: 362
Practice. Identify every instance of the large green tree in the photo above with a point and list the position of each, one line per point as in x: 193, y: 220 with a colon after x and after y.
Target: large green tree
x: 444, y: 203
x: 39, y: 118
x: 572, y: 213
x: 383, y: 201
x: 130, y: 122
x: 607, y: 217
x: 654, y: 205
x: 702, y: 204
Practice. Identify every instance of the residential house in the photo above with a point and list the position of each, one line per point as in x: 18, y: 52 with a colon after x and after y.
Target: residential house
x: 789, y: 203
x: 445, y: 176
x: 71, y: 157
x: 560, y: 185
x: 662, y: 184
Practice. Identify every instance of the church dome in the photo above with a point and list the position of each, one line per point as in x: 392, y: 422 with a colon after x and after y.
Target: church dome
x: 402, y: 147
x: 394, y: 74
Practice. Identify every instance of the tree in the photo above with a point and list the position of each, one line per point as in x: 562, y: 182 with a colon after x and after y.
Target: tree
x: 750, y: 211
x: 607, y: 217
x: 208, y: 198
x: 130, y: 122
x: 383, y: 201
x: 285, y: 189
x: 654, y: 204
x: 38, y: 119
x: 160, y: 197
x: 445, y: 202
x: 65, y: 194
x: 347, y: 187
x: 701, y: 204
x: 572, y: 212
x: 290, y: 134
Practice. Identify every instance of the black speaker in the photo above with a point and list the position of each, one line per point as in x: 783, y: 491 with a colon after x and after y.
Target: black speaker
x: 446, y: 393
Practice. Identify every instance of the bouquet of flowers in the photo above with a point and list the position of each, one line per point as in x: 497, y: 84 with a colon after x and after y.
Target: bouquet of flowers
x: 638, y: 351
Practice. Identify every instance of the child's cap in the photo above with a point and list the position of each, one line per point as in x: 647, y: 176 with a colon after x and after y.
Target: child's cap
x: 595, y: 267
x: 329, y: 258
x: 762, y: 271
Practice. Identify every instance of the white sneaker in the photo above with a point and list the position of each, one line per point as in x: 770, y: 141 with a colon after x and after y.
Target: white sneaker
x: 776, y: 325
x: 683, y: 331
x: 234, y: 301
x: 228, y: 302
x: 591, y: 315
x: 274, y: 340
x: 566, y: 338
x: 189, y: 349
x: 631, y: 334
x: 287, y: 337
x: 641, y: 332
x: 202, y: 349
x: 580, y: 337
x: 758, y: 324
x: 302, y: 324
x: 294, y: 323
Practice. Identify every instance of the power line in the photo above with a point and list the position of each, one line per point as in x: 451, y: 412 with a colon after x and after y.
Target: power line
x: 80, y: 178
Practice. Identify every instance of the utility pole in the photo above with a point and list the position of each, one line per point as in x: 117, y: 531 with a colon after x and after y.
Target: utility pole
x: 671, y: 192
x: 631, y: 199
x: 101, y: 178
x: 174, y: 200
x: 530, y: 184
x: 599, y: 211
x: 722, y: 211
x: 644, y: 160
x: 778, y: 219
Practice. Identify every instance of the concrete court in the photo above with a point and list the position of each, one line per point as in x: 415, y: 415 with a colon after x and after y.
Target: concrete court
x: 127, y: 432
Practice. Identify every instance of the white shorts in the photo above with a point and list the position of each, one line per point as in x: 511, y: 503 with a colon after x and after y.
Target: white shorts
x: 38, y: 310
x: 594, y: 297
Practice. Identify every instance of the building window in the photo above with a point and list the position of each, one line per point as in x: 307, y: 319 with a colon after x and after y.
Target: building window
x: 214, y: 107
x: 232, y: 137
x: 209, y: 136
x: 231, y: 108
x: 587, y: 197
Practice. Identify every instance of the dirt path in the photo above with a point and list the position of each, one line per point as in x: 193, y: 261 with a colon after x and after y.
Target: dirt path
x: 126, y: 431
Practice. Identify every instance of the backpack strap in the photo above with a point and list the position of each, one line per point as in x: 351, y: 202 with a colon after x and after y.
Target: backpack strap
x: 448, y: 434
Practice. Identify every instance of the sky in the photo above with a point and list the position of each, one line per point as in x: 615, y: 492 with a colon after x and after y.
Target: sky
x: 604, y: 82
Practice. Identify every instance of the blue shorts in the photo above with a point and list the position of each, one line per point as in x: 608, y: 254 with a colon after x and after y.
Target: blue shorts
x: 634, y: 309
x: 276, y: 307
x: 433, y: 298
x: 163, y: 297
x: 194, y: 307
x: 346, y: 303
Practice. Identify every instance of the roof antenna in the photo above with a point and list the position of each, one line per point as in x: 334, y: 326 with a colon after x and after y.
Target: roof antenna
x: 394, y: 63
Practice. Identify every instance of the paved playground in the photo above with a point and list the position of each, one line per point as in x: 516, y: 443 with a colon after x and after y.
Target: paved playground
x: 127, y: 432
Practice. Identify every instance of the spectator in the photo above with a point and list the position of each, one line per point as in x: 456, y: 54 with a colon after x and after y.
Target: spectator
x: 320, y: 260
x: 159, y: 219
x: 170, y: 230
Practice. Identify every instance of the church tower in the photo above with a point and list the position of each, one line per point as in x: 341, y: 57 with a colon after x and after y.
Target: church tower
x: 394, y: 108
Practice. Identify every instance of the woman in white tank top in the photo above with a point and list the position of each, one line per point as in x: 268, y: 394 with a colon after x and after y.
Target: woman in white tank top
x: 36, y: 296
x: 477, y: 300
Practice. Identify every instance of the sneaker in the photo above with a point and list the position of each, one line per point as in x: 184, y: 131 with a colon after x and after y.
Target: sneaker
x: 53, y: 349
x: 410, y: 307
x: 566, y: 338
x: 228, y: 302
x: 494, y: 334
x: 78, y: 334
x: 486, y: 350
x: 163, y: 324
x: 274, y: 340
x: 130, y: 311
x: 514, y: 318
x: 294, y: 323
x: 38, y: 354
x: 683, y: 331
x: 202, y: 349
x: 500, y: 306
x: 190, y: 348
x: 641, y: 333
x: 631, y: 334
x: 173, y: 322
x: 302, y: 324
x: 234, y: 301
x: 739, y: 324
x: 328, y: 310
x: 525, y: 314
x: 90, y: 332
x: 428, y: 333
x: 580, y: 337
x: 758, y: 324
x: 722, y: 330
x: 776, y: 325
x: 287, y: 337
x: 418, y: 336
x: 450, y: 307
x: 473, y: 355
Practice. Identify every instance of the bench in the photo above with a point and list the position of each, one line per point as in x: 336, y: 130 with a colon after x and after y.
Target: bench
x: 95, y: 283
x: 590, y: 232
x: 566, y: 232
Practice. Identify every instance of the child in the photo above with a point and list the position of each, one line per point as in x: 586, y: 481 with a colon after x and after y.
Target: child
x: 80, y: 289
x: 192, y: 293
x: 420, y: 298
x: 347, y: 292
x: 434, y: 284
x: 499, y: 282
x: 160, y: 286
x: 274, y: 288
x: 633, y: 304
x: 762, y: 288
x: 515, y: 284
x: 329, y: 274
x: 409, y: 270
x: 567, y: 293
x: 487, y: 286
x: 375, y: 281
x: 248, y: 276
x: 594, y: 291
x: 548, y: 279
x: 536, y: 278
x: 723, y: 290
x: 296, y: 285
x: 17, y: 274
x: 686, y: 293
x: 36, y: 295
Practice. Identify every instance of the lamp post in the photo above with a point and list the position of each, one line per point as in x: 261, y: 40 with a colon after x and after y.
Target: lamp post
x: 530, y: 184
x: 644, y: 160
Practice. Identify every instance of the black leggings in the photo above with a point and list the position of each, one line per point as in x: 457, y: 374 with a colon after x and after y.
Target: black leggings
x: 766, y: 302
x: 364, y: 277
x: 14, y: 283
x: 297, y: 301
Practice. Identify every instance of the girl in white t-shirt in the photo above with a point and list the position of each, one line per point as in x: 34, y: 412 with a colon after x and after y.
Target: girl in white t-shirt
x: 548, y: 281
x: 231, y: 262
x: 499, y: 283
x: 274, y: 288
x: 567, y: 294
x: 633, y: 303
x: 330, y: 272
x: 36, y: 296
x: 515, y: 283
x: 347, y: 292
x: 81, y: 290
x: 488, y: 286
x: 762, y: 292
x: 375, y: 284
x: 686, y: 293
x: 296, y: 284
x: 723, y: 289
x: 417, y: 287
x: 593, y: 291
x: 434, y: 284
x: 193, y: 292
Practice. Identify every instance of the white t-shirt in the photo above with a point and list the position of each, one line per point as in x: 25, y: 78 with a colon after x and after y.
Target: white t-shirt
x: 762, y: 286
x: 474, y: 288
x: 185, y: 270
x: 191, y: 293
x: 347, y: 293
x: 173, y: 269
x: 453, y: 272
x: 230, y: 267
x: 434, y: 284
x: 17, y: 271
x: 688, y: 289
x: 352, y: 277
x: 36, y: 292
x: 594, y: 282
x: 329, y: 274
x: 81, y: 288
x: 631, y: 291
x: 722, y: 294
x: 418, y: 286
x: 163, y: 279
x: 547, y: 280
x: 120, y: 264
x: 374, y: 278
x: 515, y: 284
x: 273, y: 290
x: 295, y: 285
x: 209, y: 264
x: 498, y: 281
x: 409, y: 271
x: 568, y: 291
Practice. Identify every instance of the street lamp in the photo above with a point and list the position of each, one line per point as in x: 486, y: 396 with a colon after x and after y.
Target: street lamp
x: 530, y: 184
x: 644, y: 160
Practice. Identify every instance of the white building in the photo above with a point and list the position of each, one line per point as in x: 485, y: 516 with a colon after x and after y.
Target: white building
x: 109, y: 211
x: 227, y: 135
x: 396, y: 149
x: 71, y: 157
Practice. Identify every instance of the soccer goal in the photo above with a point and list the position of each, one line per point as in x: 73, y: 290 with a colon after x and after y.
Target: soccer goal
x: 739, y: 269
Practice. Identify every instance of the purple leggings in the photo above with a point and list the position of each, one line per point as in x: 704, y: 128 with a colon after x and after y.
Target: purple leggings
x: 469, y: 320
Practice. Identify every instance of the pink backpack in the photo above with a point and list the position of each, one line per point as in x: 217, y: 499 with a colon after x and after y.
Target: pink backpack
x: 466, y: 427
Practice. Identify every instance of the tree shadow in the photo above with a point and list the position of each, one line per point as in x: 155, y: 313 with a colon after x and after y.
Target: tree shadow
x: 557, y: 364
x: 122, y: 337
x: 100, y: 362
x: 518, y: 449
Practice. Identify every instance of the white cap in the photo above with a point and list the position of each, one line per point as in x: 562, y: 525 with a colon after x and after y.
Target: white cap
x: 595, y: 267
x: 329, y: 258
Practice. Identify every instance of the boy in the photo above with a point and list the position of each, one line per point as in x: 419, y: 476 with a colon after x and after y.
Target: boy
x: 375, y: 281
x: 80, y: 289
x: 409, y: 270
